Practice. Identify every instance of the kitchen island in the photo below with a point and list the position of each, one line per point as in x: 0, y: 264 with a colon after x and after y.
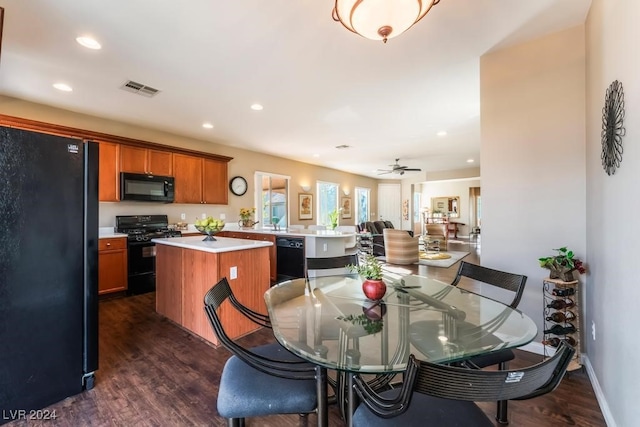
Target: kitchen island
x: 187, y: 267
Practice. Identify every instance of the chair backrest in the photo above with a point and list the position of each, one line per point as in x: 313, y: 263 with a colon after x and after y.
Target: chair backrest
x: 388, y: 224
x: 451, y: 382
x: 400, y: 247
x: 329, y: 263
x: 380, y: 226
x: 317, y: 227
x: 437, y: 230
x: 213, y: 299
x: 371, y: 228
x: 476, y: 385
x: 501, y: 279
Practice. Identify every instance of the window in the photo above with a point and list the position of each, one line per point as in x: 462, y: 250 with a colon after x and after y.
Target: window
x: 327, y: 201
x: 362, y: 205
x: 272, y: 194
x: 417, y: 201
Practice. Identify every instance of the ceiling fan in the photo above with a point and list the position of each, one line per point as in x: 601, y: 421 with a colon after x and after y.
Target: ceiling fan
x: 397, y: 168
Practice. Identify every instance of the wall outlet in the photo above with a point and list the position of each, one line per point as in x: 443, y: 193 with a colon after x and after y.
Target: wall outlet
x: 183, y: 216
x: 204, y: 215
x: 593, y: 330
x: 233, y: 273
x: 223, y: 216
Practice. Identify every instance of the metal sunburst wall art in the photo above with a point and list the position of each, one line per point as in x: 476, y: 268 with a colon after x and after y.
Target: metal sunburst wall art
x: 612, y: 128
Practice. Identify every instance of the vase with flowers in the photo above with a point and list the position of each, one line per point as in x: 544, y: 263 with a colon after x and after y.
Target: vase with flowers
x: 245, y: 218
x: 562, y: 265
x: 370, y: 270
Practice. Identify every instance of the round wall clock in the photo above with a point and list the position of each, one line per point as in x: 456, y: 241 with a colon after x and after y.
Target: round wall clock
x: 238, y: 185
x: 612, y: 128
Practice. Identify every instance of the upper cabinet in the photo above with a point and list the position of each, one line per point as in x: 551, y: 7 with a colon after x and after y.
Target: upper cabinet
x: 109, y: 174
x: 199, y: 177
x: 146, y: 161
x: 200, y: 180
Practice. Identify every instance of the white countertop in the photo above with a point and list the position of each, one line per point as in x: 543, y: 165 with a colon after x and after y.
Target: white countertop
x: 108, y: 233
x: 297, y: 232
x: 221, y: 244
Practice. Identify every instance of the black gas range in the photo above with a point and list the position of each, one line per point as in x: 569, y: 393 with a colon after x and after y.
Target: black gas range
x: 140, y: 230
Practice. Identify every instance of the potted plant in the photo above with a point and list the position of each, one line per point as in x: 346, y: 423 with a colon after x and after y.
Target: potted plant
x: 245, y: 217
x: 370, y: 270
x: 333, y: 218
x: 562, y: 265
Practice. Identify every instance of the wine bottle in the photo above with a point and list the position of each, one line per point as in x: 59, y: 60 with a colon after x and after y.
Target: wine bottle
x: 563, y: 292
x: 561, y: 330
x: 555, y: 341
x: 560, y: 317
x: 559, y: 304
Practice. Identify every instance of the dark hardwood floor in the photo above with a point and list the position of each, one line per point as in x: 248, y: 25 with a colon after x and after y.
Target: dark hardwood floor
x: 153, y: 373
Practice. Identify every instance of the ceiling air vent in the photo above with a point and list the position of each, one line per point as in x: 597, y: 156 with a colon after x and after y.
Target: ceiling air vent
x: 342, y: 147
x: 139, y: 88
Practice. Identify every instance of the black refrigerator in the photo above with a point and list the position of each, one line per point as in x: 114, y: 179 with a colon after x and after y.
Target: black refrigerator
x: 48, y: 269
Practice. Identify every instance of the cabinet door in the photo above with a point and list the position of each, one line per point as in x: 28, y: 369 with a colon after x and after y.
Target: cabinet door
x: 187, y: 171
x: 214, y: 182
x: 112, y: 271
x: 109, y: 175
x: 133, y: 159
x: 160, y: 162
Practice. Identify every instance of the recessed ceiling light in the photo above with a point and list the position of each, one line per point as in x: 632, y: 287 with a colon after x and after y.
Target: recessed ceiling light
x: 442, y: 133
x: 63, y: 87
x: 470, y: 160
x: 257, y: 107
x: 316, y: 155
x: 207, y: 125
x: 88, y: 42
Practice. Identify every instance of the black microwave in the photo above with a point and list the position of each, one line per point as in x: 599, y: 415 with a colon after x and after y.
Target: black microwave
x: 146, y: 188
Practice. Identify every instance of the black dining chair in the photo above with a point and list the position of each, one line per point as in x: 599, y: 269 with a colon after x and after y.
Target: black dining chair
x: 443, y: 395
x: 328, y: 263
x: 513, y: 285
x: 258, y: 381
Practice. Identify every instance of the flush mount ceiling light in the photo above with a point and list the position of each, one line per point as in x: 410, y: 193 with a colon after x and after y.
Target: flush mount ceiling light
x: 256, y: 107
x: 88, y: 42
x: 207, y: 125
x: 380, y: 19
x: 63, y: 87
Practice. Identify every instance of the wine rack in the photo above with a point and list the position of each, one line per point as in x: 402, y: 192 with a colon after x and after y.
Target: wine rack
x: 561, y: 315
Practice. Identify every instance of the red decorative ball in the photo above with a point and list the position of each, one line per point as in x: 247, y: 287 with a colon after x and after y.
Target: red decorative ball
x: 374, y: 289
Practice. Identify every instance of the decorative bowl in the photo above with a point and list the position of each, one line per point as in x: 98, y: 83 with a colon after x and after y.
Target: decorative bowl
x: 209, y: 231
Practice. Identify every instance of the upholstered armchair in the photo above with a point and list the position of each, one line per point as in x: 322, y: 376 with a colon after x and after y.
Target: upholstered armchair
x: 438, y: 232
x: 400, y: 247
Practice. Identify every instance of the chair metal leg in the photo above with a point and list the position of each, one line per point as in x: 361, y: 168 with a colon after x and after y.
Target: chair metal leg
x: 501, y: 407
x: 321, y: 389
x: 235, y: 422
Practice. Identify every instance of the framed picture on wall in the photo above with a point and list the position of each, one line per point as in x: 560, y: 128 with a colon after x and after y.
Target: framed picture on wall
x: 345, y: 205
x: 305, y: 206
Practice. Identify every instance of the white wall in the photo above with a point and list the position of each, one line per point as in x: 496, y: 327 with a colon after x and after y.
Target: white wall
x: 532, y: 156
x: 612, y: 291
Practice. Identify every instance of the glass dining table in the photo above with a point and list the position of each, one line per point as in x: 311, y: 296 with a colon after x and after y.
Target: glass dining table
x: 329, y: 322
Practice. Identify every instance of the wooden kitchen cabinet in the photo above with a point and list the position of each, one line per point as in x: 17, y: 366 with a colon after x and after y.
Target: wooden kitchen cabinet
x: 199, y: 180
x: 112, y: 265
x: 146, y: 161
x: 109, y: 174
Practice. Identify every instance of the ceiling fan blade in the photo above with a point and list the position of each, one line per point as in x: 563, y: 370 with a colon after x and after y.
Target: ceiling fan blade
x: 412, y: 170
x: 385, y: 172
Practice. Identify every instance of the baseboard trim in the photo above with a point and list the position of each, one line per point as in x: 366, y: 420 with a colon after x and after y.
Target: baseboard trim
x: 602, y: 401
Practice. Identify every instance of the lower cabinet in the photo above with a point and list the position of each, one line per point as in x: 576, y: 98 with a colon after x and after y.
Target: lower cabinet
x: 112, y: 265
x: 265, y: 237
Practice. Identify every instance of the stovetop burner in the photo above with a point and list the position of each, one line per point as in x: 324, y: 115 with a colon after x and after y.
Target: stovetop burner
x: 142, y: 228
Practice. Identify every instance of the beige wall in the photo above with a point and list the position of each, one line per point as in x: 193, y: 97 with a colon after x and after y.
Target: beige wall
x: 612, y: 229
x: 244, y: 163
x: 532, y: 156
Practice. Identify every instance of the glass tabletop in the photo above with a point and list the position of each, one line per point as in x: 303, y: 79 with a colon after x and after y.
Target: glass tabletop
x: 329, y: 321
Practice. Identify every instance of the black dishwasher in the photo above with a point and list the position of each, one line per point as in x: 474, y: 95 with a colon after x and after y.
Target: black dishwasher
x: 290, y: 258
